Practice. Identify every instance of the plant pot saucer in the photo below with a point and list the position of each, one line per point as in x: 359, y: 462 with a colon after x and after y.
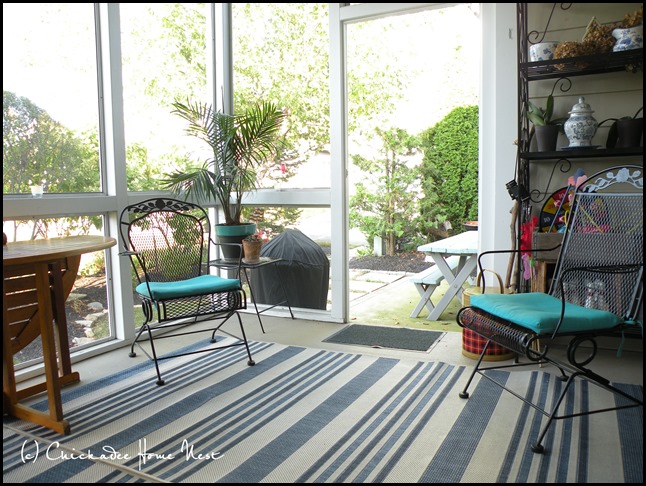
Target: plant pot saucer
x: 581, y: 147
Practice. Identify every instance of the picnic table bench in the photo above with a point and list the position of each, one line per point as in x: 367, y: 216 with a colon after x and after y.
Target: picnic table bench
x: 427, y: 281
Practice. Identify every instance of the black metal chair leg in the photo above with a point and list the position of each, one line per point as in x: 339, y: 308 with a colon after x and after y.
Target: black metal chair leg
x: 160, y: 382
x: 251, y: 362
x: 538, y: 447
x: 464, y: 393
x: 132, y: 353
x: 222, y: 322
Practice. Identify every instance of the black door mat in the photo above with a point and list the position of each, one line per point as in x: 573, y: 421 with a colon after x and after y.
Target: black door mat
x: 386, y: 337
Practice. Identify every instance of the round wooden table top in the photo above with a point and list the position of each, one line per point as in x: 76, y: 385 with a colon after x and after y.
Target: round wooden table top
x: 34, y: 251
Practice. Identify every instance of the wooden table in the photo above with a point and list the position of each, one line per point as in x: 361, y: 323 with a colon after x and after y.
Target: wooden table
x: 38, y: 276
x: 464, y: 245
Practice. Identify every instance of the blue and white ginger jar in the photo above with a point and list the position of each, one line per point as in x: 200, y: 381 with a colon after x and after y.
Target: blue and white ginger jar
x: 581, y: 126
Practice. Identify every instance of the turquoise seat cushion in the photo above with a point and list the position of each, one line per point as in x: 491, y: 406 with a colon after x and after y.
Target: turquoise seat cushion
x: 202, y: 285
x: 541, y: 312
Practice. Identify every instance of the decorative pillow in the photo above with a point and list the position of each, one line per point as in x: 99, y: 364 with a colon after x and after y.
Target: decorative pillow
x: 541, y: 312
x: 202, y: 285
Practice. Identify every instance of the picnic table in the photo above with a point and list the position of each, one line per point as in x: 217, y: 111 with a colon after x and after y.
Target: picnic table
x: 455, y: 260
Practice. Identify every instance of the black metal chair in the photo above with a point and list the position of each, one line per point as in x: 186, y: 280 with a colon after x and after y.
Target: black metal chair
x: 596, y: 291
x: 168, y: 243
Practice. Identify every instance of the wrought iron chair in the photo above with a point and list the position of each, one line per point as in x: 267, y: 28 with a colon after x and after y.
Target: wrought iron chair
x: 597, y: 290
x: 168, y: 243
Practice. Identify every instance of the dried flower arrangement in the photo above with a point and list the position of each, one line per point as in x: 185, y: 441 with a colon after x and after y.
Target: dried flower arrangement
x: 597, y: 39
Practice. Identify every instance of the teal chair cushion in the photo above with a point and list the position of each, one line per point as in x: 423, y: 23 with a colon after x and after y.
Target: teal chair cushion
x: 202, y: 285
x: 541, y: 312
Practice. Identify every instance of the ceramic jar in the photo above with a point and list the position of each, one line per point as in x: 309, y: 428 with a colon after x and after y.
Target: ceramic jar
x: 628, y: 39
x: 543, y: 51
x: 581, y: 126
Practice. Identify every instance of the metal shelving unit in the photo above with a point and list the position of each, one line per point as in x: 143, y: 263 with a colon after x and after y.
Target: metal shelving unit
x: 560, y: 70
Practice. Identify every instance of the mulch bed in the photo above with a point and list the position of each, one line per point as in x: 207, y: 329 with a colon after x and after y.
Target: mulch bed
x: 411, y: 262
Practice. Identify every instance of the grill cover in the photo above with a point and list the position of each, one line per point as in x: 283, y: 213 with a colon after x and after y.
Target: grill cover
x: 304, y: 272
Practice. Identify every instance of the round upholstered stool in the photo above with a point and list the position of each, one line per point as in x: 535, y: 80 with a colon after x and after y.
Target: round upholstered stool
x: 472, y: 346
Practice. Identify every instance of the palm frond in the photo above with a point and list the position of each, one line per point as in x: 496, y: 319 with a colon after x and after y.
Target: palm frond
x: 240, y: 143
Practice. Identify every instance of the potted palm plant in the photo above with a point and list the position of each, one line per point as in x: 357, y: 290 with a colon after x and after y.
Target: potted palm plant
x: 239, y: 144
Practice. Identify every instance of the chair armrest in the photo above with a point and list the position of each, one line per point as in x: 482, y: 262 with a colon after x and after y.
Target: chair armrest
x: 490, y: 252
x: 136, y: 257
x: 233, y: 264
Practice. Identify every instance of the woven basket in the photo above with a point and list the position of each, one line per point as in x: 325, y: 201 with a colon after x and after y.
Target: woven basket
x: 472, y: 343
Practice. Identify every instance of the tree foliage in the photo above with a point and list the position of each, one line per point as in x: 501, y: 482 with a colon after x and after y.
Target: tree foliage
x: 281, y: 55
x: 38, y: 150
x: 450, y: 172
x: 386, y: 202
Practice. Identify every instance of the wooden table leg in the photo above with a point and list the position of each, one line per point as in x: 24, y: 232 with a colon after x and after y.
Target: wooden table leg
x: 59, y: 292
x: 9, y: 397
x: 49, y: 346
x: 54, y: 419
x: 58, y: 305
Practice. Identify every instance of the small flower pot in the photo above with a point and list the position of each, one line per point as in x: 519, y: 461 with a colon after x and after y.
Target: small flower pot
x: 251, y: 250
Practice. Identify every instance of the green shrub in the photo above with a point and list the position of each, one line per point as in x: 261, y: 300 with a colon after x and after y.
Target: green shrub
x: 450, y: 173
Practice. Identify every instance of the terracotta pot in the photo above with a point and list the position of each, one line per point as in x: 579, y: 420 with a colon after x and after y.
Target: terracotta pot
x: 251, y: 250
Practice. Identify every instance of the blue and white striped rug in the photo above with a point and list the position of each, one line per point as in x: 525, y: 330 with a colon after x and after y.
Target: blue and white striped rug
x: 309, y: 415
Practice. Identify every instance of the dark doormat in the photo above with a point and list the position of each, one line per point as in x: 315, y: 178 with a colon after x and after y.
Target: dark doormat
x: 386, y: 337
